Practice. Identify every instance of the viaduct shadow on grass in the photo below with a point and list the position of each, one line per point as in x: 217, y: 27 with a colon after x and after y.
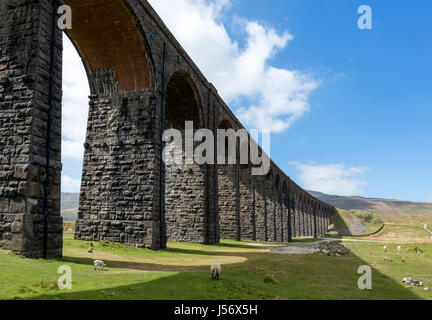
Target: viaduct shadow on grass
x: 340, y: 225
x: 262, y: 276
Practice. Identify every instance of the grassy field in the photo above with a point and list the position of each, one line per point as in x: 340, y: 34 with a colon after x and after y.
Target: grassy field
x: 344, y: 219
x: 182, y: 272
x: 400, y: 229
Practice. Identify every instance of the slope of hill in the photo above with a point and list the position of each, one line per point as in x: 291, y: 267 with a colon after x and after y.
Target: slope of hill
x: 383, y: 207
x: 69, y: 206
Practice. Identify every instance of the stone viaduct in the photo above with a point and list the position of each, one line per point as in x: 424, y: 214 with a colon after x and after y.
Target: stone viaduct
x: 141, y: 82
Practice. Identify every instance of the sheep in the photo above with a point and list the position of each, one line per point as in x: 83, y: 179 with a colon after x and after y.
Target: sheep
x: 90, y: 250
x: 399, y: 249
x: 215, y: 271
x: 99, y: 264
x: 385, y: 248
x: 412, y: 282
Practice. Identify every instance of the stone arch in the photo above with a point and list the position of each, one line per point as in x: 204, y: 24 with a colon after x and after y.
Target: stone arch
x: 277, y: 210
x: 277, y: 181
x: 118, y: 159
x: 228, y: 202
x: 225, y: 124
x: 269, y: 176
x: 186, y: 213
x: 286, y: 218
x: 284, y: 187
x: 112, y: 45
x: 182, y: 102
x: 247, y: 194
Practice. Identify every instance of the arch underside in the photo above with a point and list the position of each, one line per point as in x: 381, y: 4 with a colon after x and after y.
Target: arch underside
x: 119, y: 159
x: 111, y: 45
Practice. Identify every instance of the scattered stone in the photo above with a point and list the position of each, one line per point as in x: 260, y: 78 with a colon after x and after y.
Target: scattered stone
x: 420, y: 252
x: 333, y: 249
x: 90, y: 250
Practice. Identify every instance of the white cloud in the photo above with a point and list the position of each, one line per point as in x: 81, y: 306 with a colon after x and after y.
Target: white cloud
x: 75, y: 103
x: 335, y: 179
x: 271, y: 98
x: 70, y: 184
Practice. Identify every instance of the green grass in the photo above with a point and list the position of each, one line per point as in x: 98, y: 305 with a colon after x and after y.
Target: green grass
x: 367, y: 217
x: 341, y: 226
x: 182, y: 272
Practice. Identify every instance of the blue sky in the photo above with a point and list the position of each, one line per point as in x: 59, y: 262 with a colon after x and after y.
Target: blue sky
x: 352, y: 108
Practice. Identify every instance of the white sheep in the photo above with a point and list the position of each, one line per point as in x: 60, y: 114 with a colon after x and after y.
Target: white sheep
x: 99, y: 264
x: 399, y: 249
x: 215, y: 270
x: 385, y: 248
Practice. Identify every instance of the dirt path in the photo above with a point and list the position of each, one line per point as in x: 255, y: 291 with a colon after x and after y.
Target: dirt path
x: 295, y: 248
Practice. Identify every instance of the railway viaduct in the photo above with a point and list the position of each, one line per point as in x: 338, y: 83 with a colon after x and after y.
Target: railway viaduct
x: 142, y: 82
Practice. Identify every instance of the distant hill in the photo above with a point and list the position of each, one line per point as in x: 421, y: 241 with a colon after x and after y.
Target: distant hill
x: 69, y: 206
x: 383, y: 207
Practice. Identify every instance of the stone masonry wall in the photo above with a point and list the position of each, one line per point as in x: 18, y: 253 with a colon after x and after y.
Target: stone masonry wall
x: 118, y: 171
x: 227, y: 201
x: 26, y: 69
x: 247, y: 214
x: 260, y: 208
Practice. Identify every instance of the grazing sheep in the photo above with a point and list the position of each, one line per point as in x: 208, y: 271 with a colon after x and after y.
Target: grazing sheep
x: 99, y: 264
x: 385, y: 248
x: 399, y: 249
x: 215, y: 270
x: 90, y: 250
x: 412, y: 282
x: 420, y: 252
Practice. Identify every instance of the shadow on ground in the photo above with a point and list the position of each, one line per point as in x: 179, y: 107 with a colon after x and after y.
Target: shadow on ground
x: 262, y: 276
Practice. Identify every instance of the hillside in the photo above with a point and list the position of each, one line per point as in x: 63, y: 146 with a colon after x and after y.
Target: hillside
x: 383, y: 207
x: 69, y: 206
